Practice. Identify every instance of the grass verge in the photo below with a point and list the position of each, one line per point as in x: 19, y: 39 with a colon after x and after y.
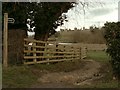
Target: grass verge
x: 100, y: 56
x: 18, y: 77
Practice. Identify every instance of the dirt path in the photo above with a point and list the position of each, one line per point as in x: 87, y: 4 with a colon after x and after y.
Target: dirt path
x: 72, y: 79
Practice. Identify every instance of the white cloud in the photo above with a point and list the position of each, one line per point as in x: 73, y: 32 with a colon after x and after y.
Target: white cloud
x: 112, y: 17
x: 96, y: 15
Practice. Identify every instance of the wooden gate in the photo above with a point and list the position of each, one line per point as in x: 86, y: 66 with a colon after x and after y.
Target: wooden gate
x: 45, y: 52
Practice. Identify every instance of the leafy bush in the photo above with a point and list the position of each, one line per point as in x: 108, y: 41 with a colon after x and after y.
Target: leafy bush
x: 112, y: 36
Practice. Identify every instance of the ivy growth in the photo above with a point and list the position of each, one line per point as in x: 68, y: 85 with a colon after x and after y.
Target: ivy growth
x: 112, y: 36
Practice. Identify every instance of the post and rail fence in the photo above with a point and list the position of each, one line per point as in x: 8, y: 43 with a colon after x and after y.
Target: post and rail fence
x: 36, y: 51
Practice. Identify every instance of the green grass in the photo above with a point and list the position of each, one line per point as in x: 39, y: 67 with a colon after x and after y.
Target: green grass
x: 111, y: 84
x: 18, y: 77
x: 98, y: 56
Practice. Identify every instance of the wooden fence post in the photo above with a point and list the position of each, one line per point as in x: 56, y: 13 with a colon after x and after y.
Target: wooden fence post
x: 72, y: 53
x: 86, y: 51
x: 46, y: 51
x: 64, y: 49
x: 5, y: 42
x: 56, y: 50
x: 34, y: 54
x: 80, y: 53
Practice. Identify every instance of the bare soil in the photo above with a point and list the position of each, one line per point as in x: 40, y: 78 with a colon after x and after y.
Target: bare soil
x: 72, y: 79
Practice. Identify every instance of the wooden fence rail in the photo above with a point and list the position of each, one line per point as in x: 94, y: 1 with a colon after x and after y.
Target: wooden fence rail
x: 45, y: 52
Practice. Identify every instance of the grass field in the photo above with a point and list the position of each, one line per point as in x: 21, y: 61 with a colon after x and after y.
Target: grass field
x: 101, y: 56
x: 84, y: 36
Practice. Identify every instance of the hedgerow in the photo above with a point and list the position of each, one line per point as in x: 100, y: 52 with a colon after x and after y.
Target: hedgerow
x: 112, y: 36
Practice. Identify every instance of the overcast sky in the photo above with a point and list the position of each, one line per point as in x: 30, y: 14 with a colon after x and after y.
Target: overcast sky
x: 96, y: 13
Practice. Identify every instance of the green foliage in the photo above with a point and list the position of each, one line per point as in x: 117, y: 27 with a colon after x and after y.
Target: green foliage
x: 47, y: 15
x: 93, y: 28
x: 112, y: 36
x: 16, y: 11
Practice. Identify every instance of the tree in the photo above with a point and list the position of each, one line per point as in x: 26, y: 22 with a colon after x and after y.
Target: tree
x: 91, y: 28
x: 46, y: 15
x: 52, y: 17
x: 112, y: 36
x: 75, y: 29
x: 16, y: 11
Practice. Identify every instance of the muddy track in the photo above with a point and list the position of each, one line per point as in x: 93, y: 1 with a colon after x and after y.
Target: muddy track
x: 83, y: 76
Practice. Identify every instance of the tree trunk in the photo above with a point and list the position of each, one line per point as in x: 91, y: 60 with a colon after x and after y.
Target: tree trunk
x: 43, y: 37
